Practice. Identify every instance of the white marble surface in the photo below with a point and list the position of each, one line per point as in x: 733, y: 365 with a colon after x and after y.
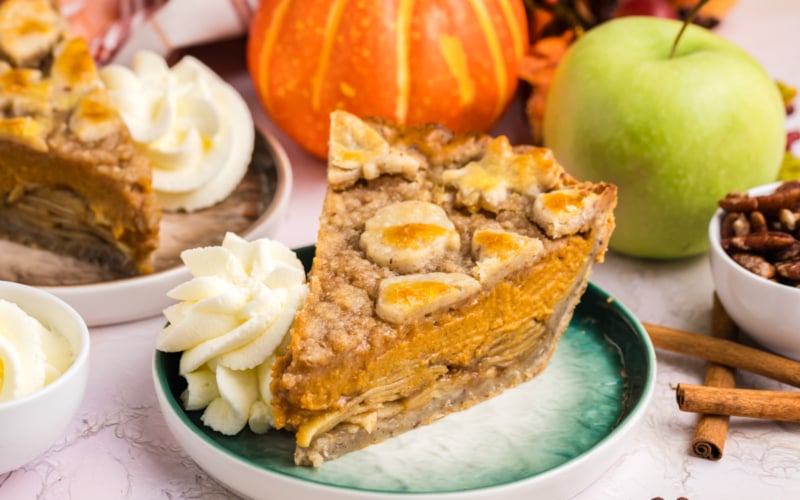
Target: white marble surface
x: 118, y: 445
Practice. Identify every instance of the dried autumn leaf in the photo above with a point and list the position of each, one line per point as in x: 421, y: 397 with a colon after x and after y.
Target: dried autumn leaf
x: 788, y: 92
x: 790, y: 167
x: 537, y: 68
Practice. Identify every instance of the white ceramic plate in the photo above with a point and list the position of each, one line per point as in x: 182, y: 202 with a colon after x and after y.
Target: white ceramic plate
x: 550, y: 437
x: 253, y: 210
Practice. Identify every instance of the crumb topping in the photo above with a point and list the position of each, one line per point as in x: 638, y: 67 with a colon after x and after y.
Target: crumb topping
x: 467, y: 214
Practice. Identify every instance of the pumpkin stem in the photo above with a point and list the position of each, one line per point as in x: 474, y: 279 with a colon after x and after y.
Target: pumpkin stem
x: 686, y: 22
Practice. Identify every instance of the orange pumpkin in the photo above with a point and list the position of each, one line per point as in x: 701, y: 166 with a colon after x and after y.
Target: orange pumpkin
x: 453, y: 62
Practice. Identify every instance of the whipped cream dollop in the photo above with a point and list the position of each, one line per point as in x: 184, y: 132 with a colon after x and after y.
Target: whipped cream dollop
x: 231, y: 320
x: 195, y: 128
x: 31, y: 355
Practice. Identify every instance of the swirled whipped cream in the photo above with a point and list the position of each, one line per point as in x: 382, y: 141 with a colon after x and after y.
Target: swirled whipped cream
x: 232, y: 318
x: 195, y: 128
x: 31, y: 355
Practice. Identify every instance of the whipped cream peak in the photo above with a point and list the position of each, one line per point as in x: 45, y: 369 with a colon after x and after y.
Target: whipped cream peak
x: 31, y: 355
x: 195, y: 128
x: 231, y: 318
x: 222, y: 262
x: 151, y: 67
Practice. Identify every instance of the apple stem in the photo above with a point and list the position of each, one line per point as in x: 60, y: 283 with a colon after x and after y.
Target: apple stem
x: 686, y: 22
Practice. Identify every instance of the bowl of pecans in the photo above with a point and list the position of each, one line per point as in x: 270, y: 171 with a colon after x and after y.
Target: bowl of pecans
x: 755, y: 263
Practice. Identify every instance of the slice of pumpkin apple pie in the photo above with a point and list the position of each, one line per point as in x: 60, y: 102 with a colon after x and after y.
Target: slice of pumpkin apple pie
x: 71, y: 178
x: 447, y: 268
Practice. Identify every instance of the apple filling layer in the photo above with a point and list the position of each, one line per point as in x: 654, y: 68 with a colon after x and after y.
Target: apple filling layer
x: 63, y: 222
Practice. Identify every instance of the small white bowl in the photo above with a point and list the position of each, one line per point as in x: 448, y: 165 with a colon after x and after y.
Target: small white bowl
x: 30, y: 425
x: 768, y: 312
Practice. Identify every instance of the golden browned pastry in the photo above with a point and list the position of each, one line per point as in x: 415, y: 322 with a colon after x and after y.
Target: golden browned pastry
x: 447, y: 268
x: 71, y: 179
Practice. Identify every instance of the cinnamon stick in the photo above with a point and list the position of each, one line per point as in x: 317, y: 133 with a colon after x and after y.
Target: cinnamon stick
x: 725, y: 352
x: 754, y: 403
x: 711, y: 430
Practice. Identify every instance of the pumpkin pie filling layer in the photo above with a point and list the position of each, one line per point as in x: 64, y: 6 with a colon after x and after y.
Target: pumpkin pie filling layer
x: 437, y: 312
x: 71, y: 178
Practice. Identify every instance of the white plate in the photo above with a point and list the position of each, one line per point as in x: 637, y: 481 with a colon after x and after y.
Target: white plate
x: 253, y: 210
x: 548, y: 438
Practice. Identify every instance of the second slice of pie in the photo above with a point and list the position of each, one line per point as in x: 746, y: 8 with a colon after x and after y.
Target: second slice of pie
x: 71, y: 179
x: 447, y: 268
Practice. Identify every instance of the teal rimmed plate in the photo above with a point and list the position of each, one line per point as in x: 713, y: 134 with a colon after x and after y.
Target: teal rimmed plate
x: 552, y: 436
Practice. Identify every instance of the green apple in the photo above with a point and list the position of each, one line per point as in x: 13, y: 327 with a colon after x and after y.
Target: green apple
x: 674, y: 133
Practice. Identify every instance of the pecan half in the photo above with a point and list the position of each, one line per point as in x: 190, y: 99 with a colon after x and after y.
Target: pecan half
x: 787, y: 186
x: 741, y: 225
x: 738, y: 202
x: 768, y: 241
x: 734, y: 202
x: 790, y: 253
x: 789, y: 270
x: 755, y: 264
x: 788, y: 220
x: 781, y: 199
x: 758, y: 223
x: 727, y: 229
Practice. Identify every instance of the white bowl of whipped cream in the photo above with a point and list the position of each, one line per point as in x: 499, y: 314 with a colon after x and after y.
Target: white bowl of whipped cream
x: 44, y: 367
